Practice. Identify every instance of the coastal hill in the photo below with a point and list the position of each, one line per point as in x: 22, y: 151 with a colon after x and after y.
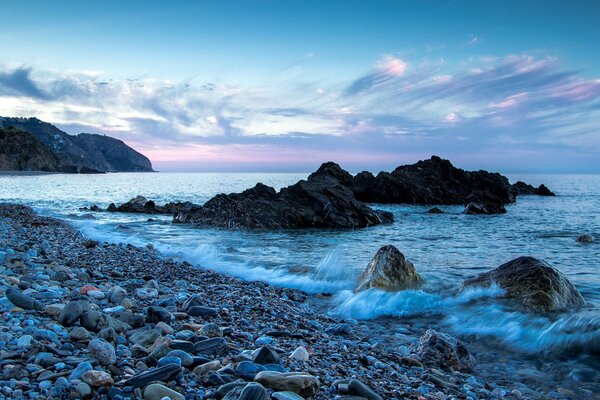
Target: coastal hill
x: 21, y: 151
x: 83, y: 153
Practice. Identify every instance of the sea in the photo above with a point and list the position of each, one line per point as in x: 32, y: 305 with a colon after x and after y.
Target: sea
x: 558, y: 353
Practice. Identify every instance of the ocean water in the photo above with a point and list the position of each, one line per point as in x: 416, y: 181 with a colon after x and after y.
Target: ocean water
x: 542, y: 351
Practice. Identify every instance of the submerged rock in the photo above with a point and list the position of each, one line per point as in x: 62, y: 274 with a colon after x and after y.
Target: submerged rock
x: 389, y: 270
x: 533, y: 283
x: 435, y: 210
x: 443, y: 351
x: 324, y: 200
x: 585, y: 239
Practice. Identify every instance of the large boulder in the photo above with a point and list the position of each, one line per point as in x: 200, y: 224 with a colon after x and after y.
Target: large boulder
x: 389, y: 270
x: 534, y: 284
x: 324, y: 200
x: 441, y: 350
x: 433, y: 181
x: 480, y: 202
x: 522, y: 188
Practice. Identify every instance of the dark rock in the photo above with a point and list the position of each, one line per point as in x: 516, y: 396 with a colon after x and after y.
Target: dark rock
x: 164, y: 374
x: 390, y: 271
x: 254, y: 391
x: 96, y: 321
x: 22, y: 151
x: 201, y: 311
x: 155, y: 314
x: 183, y: 345
x: 22, y: 300
x: 134, y: 320
x: 215, y: 378
x: 434, y: 210
x: 433, y: 181
x: 534, y: 284
x: 585, y: 239
x: 248, y: 370
x: 223, y: 390
x: 324, y: 200
x: 441, y: 350
x: 211, y: 347
x: 484, y: 203
x: 542, y: 190
x: 357, y: 388
x: 90, y: 244
x: 266, y: 355
x: 522, y: 188
x: 71, y: 313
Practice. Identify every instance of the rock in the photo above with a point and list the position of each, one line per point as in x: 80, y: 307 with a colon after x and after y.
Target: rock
x: 79, y: 334
x: 484, y: 203
x: 71, y: 313
x: 211, y: 330
x: 78, y: 372
x: 390, y: 271
x: 433, y: 181
x: 324, y: 200
x: 205, y: 368
x: 164, y: 374
x: 248, y: 370
x: 116, y: 294
x: 542, y: 190
x: 211, y: 347
x: 204, y: 312
x: 443, y: 351
x: 585, y: 239
x: 83, y: 389
x: 186, y: 359
x: 534, y: 284
x: 156, y: 391
x: 254, y: 391
x: 301, y: 383
x: 357, y: 388
x: 146, y: 293
x: 97, y: 378
x: 286, y: 396
x: 435, y: 210
x: 22, y: 300
x: 102, y: 351
x: 144, y: 337
x: 266, y: 355
x: 300, y: 354
x: 134, y: 320
x: 155, y: 314
x: 168, y: 360
x: 95, y: 321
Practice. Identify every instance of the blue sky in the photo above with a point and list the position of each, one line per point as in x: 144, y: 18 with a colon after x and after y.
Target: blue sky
x: 286, y: 85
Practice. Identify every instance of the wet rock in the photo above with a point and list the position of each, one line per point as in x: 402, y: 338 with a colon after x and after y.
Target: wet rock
x: 79, y: 333
x: 102, y: 351
x: 542, y: 190
x: 443, y: 351
x: 211, y: 347
x: 155, y: 314
x: 389, y: 270
x: 144, y: 337
x: 324, y: 200
x: 532, y: 283
x: 357, y: 388
x: 480, y: 202
x: 204, y: 312
x: 286, y: 396
x: 301, y: 383
x: 248, y: 370
x: 71, y: 313
x: 97, y: 378
x: 211, y: 330
x: 22, y: 300
x: 266, y: 355
x: 163, y: 374
x: 585, y: 239
x: 156, y: 391
x: 254, y: 391
x: 205, y: 368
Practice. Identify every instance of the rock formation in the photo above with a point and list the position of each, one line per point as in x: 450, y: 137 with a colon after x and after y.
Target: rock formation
x: 441, y: 350
x: 533, y: 284
x: 389, y: 270
x: 322, y: 201
x: 21, y: 151
x: 480, y: 202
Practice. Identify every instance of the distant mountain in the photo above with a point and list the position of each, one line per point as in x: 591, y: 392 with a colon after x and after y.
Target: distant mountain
x: 21, y: 151
x: 85, y: 152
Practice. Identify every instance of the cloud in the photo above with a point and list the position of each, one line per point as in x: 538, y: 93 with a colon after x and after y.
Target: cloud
x: 512, y: 105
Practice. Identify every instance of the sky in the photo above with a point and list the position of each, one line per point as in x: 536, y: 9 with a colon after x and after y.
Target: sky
x: 512, y: 86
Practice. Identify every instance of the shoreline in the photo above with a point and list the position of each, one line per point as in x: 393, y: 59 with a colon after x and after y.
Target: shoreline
x: 54, y: 263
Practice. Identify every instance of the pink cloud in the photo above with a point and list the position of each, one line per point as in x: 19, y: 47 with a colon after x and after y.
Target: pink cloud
x: 392, y: 66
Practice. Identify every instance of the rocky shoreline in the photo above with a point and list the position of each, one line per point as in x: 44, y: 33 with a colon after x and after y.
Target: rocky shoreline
x: 83, y: 319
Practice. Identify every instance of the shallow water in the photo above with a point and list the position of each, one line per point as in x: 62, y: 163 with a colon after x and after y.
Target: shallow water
x: 550, y: 350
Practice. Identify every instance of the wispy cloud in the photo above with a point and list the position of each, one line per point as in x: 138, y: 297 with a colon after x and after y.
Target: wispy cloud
x: 507, y: 106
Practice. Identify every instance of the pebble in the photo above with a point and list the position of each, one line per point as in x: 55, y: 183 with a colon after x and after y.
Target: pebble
x: 102, y: 351
x: 97, y: 378
x: 157, y: 391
